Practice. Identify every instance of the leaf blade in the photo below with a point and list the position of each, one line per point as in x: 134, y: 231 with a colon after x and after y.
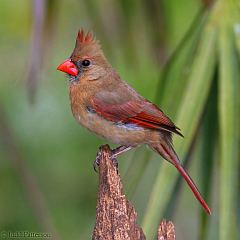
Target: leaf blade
x: 228, y: 111
x: 200, y: 78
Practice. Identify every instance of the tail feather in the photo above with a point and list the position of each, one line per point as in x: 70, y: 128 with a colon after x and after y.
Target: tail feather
x: 167, y: 152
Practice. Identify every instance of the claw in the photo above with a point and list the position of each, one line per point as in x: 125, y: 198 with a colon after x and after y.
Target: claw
x: 114, y: 154
x: 97, y: 161
x: 98, y: 158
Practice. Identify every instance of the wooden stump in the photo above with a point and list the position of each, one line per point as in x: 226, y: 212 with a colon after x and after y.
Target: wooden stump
x: 166, y: 231
x: 115, y: 216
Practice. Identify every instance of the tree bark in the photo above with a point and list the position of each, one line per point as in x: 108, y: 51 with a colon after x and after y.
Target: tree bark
x: 116, y: 218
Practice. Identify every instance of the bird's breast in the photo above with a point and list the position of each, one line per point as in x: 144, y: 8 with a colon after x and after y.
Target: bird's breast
x: 118, y: 133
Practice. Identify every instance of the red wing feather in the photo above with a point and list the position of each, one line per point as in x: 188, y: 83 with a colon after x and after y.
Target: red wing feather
x: 141, y: 113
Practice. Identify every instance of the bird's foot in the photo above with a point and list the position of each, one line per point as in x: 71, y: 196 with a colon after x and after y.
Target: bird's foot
x: 113, y: 157
x: 114, y: 154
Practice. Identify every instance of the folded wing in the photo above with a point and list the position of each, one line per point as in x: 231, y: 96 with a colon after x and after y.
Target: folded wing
x: 140, y: 112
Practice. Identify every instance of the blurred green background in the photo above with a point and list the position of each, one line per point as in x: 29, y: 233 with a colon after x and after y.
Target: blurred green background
x: 183, y: 55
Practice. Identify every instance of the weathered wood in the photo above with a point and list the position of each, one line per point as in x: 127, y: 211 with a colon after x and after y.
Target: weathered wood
x: 166, y: 231
x: 115, y: 216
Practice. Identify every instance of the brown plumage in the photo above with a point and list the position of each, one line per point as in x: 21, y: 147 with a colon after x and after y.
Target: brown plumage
x: 109, y: 107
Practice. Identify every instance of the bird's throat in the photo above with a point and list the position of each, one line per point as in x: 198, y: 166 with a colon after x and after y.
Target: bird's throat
x: 74, y: 79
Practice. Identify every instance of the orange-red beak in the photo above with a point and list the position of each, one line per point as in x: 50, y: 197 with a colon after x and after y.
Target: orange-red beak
x: 68, y: 67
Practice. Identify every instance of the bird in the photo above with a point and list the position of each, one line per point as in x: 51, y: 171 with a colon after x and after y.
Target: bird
x: 109, y: 107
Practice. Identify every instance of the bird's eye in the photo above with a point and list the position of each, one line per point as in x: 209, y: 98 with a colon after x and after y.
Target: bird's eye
x: 86, y: 62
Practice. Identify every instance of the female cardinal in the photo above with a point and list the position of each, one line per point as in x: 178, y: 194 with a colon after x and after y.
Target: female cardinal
x: 106, y: 105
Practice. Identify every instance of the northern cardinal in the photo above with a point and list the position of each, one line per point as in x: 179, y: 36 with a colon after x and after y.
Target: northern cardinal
x: 106, y: 105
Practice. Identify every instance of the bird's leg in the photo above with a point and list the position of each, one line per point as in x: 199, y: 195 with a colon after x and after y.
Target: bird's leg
x: 115, y: 153
x: 121, y: 149
x: 118, y: 151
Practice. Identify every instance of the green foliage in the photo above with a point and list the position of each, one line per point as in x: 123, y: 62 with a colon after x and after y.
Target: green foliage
x: 216, y: 40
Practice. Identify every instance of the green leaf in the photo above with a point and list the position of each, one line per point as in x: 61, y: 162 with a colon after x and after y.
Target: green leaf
x: 237, y: 36
x: 208, y: 143
x: 175, y: 75
x: 188, y: 117
x: 228, y: 112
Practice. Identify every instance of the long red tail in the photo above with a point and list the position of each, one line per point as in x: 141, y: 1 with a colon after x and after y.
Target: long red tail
x: 192, y: 185
x: 168, y: 153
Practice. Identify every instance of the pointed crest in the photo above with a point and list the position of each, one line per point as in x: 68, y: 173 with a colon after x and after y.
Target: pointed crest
x: 85, y: 38
x: 86, y: 44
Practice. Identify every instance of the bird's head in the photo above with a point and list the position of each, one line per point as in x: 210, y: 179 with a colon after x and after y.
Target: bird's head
x: 87, y: 62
